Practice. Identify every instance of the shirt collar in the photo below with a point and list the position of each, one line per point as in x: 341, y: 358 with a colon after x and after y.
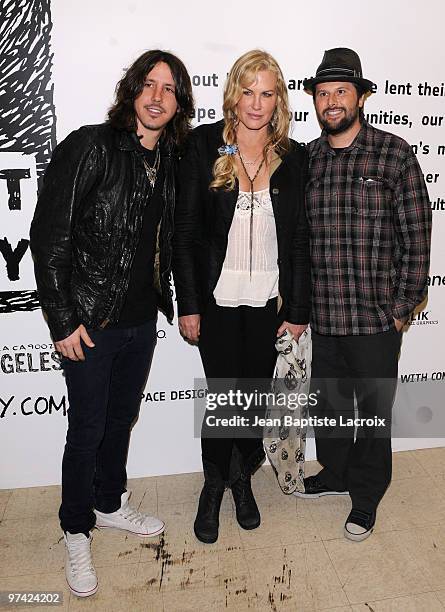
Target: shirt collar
x: 364, y: 140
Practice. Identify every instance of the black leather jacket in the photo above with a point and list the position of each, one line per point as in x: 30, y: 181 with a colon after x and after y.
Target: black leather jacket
x: 87, y: 225
x: 203, y: 219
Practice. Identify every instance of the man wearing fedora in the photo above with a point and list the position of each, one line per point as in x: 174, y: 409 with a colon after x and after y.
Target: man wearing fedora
x: 370, y: 223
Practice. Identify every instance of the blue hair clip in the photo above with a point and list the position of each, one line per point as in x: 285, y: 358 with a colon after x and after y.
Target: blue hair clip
x: 228, y: 149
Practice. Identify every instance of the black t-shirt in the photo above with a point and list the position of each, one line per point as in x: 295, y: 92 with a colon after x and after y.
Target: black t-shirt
x: 140, y: 303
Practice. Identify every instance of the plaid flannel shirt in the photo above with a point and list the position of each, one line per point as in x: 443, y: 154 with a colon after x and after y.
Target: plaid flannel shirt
x: 370, y: 222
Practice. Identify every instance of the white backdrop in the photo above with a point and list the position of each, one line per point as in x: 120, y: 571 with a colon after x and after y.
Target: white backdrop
x: 92, y: 43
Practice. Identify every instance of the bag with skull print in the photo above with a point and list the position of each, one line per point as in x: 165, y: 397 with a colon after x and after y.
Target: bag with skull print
x: 285, y: 443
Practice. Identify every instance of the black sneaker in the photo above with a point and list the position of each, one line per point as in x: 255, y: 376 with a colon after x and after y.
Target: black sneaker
x: 359, y: 525
x: 314, y: 487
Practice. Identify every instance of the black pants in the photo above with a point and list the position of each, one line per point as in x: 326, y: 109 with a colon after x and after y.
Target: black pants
x: 360, y: 459
x: 237, y: 347
x: 104, y: 394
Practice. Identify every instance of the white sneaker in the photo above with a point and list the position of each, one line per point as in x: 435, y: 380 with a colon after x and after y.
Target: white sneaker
x: 131, y: 520
x: 79, y: 571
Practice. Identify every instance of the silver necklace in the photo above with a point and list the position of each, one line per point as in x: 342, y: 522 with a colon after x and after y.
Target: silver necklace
x: 152, y: 171
x: 251, y: 181
x: 253, y: 162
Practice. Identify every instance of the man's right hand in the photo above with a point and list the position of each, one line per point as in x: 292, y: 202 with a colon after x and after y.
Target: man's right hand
x: 71, y: 347
x: 189, y: 326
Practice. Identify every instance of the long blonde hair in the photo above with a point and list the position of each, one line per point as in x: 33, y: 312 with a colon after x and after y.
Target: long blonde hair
x: 242, y: 74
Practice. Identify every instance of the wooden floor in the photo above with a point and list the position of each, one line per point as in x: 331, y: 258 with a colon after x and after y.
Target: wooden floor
x: 297, y: 559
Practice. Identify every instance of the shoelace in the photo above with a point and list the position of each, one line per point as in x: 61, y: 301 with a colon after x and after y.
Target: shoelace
x: 80, y: 558
x: 134, y: 516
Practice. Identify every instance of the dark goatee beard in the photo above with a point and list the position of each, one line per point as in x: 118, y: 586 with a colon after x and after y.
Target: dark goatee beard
x: 344, y: 124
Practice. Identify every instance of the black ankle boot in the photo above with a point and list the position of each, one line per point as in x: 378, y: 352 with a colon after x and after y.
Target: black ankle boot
x: 207, y: 518
x: 247, y: 513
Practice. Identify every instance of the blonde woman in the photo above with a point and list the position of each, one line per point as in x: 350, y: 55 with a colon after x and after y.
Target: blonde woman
x: 241, y: 240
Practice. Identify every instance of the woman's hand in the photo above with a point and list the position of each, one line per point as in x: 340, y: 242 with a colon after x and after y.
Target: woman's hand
x: 295, y: 330
x: 189, y: 326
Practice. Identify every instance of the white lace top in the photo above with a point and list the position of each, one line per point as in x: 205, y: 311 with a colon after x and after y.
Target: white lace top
x: 236, y: 287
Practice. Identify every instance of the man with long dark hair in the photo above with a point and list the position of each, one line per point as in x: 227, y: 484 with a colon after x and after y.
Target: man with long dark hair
x: 101, y: 241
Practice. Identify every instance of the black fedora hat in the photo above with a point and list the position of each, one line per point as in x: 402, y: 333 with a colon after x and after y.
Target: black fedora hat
x: 339, y: 64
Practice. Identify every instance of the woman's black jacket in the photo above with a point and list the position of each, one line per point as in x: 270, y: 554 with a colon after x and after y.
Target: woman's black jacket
x: 203, y: 218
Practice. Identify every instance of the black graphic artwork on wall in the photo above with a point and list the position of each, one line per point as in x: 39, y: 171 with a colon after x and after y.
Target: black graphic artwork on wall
x: 27, y: 125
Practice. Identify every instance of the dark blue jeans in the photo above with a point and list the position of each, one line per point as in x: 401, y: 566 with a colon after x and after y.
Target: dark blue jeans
x: 104, y: 394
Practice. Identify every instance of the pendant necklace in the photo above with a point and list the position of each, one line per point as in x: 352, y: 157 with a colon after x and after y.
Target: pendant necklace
x: 251, y: 181
x: 152, y: 171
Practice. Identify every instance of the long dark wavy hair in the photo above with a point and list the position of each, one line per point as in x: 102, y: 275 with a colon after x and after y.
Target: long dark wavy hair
x: 122, y: 115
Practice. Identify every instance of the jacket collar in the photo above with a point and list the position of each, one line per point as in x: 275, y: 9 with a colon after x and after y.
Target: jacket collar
x: 228, y: 198
x: 364, y: 141
x: 128, y: 141
x: 217, y: 136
